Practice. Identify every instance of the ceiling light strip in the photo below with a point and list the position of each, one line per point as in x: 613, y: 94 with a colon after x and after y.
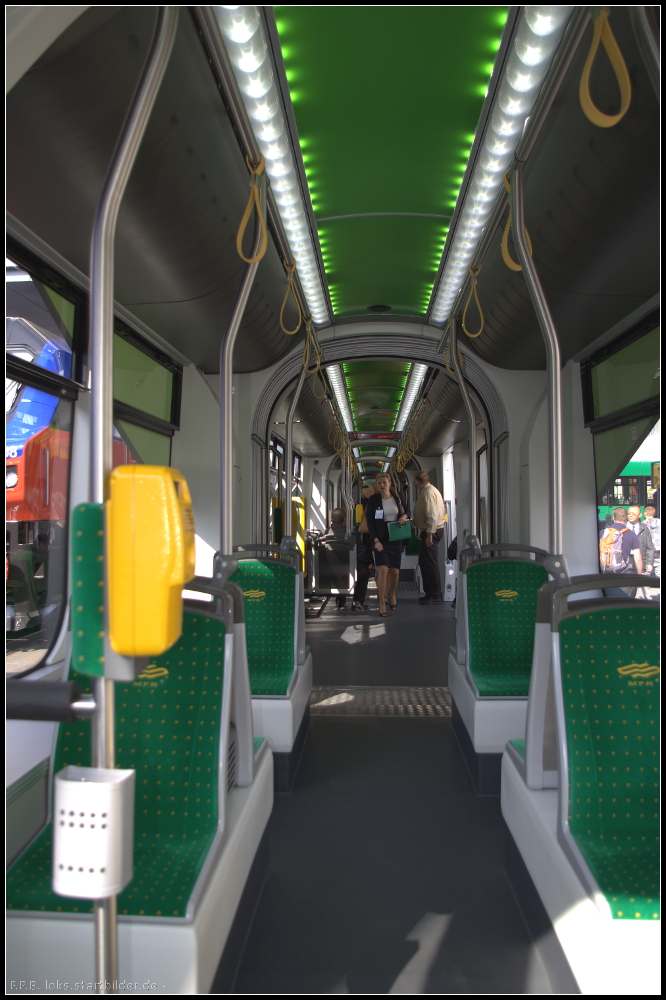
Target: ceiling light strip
x: 414, y: 383
x: 537, y: 36
x: 338, y: 386
x: 245, y: 42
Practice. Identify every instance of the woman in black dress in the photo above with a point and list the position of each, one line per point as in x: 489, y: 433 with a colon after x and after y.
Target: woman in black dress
x: 383, y: 508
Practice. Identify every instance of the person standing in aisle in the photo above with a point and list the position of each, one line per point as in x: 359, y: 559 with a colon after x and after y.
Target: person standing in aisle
x: 381, y: 510
x: 429, y: 519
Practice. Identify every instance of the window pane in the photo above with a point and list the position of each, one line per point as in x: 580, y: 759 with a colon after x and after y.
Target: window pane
x: 39, y: 323
x: 123, y: 452
x: 37, y: 483
x: 627, y: 377
x: 629, y: 530
x: 141, y: 381
x: 148, y: 447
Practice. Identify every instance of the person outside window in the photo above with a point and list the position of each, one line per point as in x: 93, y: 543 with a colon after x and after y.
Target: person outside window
x: 429, y: 520
x: 382, y: 509
x: 620, y: 552
x: 644, y: 535
x: 654, y: 526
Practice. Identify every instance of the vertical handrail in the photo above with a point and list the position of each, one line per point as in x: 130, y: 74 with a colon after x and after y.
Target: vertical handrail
x: 473, y: 485
x: 226, y: 382
x: 101, y: 367
x: 289, y: 451
x: 555, y: 521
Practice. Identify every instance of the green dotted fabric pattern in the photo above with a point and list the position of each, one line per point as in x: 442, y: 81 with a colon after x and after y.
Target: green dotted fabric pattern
x: 269, y: 602
x: 88, y: 589
x: 168, y: 730
x: 519, y: 746
x: 501, y: 605
x: 610, y: 682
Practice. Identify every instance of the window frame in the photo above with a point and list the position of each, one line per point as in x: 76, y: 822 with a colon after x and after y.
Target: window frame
x: 636, y: 411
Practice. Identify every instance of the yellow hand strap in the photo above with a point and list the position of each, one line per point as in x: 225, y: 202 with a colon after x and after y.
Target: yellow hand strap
x: 253, y: 201
x: 473, y: 292
x: 290, y: 288
x: 506, y: 256
x: 604, y: 34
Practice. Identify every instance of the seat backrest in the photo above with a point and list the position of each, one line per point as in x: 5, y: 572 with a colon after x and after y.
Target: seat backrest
x: 270, y: 599
x: 169, y: 727
x: 335, y: 566
x: 606, y: 674
x: 500, y: 616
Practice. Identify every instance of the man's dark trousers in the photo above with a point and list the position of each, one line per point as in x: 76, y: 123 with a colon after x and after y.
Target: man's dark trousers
x: 429, y: 565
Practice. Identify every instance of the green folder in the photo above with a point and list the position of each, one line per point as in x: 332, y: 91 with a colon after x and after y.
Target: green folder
x: 398, y: 532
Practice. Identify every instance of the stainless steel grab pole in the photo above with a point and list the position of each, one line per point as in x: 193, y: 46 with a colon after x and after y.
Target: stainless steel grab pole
x: 473, y: 485
x: 226, y: 384
x: 289, y: 452
x: 101, y: 367
x: 549, y: 333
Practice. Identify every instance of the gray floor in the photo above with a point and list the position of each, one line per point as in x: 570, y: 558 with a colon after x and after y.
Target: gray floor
x: 386, y: 871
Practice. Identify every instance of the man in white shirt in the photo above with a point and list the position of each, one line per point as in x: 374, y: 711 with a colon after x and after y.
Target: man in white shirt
x: 429, y: 519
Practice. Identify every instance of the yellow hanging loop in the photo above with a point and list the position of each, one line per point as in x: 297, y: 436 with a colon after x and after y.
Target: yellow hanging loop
x: 447, y: 356
x: 604, y: 34
x: 253, y: 201
x: 506, y: 256
x: 473, y: 292
x: 290, y: 288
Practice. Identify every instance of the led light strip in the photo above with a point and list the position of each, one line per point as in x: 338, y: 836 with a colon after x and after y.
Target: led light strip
x: 537, y: 37
x: 414, y: 384
x: 338, y: 386
x: 245, y: 42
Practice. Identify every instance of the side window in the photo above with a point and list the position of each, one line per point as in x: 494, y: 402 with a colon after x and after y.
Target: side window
x: 146, y: 393
x: 621, y: 398
x: 39, y: 343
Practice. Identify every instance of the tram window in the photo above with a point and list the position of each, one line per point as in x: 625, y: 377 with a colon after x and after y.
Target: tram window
x: 141, y: 381
x: 298, y: 467
x: 37, y: 487
x: 624, y: 499
x: 39, y: 323
x: 143, y: 445
x: 627, y: 377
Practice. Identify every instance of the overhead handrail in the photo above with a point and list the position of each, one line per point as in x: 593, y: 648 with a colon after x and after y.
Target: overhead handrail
x: 647, y: 37
x: 290, y: 268
x: 447, y: 358
x: 603, y: 34
x: 101, y: 367
x: 473, y: 484
x: 473, y: 292
x: 506, y: 256
x: 226, y: 379
x: 254, y: 201
x: 549, y: 333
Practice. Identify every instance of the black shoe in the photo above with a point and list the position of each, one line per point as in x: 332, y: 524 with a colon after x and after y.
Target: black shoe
x: 429, y: 601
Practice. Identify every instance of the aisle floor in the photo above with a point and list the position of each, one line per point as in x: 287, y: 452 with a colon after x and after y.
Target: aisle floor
x: 386, y: 871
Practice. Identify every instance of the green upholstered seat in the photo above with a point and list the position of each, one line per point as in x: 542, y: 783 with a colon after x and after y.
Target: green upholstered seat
x: 168, y: 730
x: 501, y: 608
x: 518, y: 745
x: 269, y: 600
x: 610, y: 686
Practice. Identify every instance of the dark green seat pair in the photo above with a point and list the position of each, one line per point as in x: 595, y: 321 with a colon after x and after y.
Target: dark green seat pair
x: 501, y: 610
x: 168, y: 726
x: 269, y: 601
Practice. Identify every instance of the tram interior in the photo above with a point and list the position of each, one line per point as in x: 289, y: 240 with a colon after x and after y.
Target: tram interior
x: 351, y: 797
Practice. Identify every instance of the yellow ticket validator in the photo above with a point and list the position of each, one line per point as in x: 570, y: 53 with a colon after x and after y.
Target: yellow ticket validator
x: 359, y: 511
x: 150, y: 552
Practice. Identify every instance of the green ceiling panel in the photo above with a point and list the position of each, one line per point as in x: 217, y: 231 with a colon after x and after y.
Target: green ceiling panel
x: 375, y: 390
x: 386, y: 101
